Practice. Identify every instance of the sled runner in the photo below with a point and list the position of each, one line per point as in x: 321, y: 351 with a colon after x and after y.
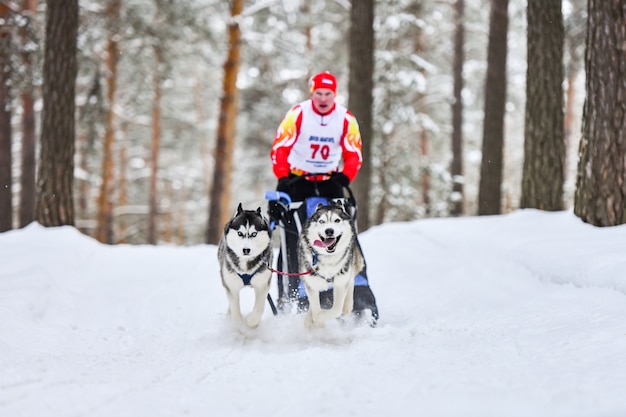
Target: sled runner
x: 288, y: 217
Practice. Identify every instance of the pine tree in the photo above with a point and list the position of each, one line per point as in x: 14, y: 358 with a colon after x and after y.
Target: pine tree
x: 360, y: 102
x: 6, y: 178
x: 544, y: 145
x: 601, y: 182
x: 27, y: 179
x: 490, y: 193
x: 456, y: 168
x: 55, y: 206
x: 224, y: 148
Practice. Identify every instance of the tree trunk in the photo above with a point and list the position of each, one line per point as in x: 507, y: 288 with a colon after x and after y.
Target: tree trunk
x: 489, y: 192
x: 575, y: 33
x: 383, y: 204
x: 156, y: 144
x: 601, y: 182
x: 122, y: 197
x: 544, y: 144
x: 456, y: 167
x: 570, y: 111
x: 105, y: 201
x: 6, y: 179
x: 423, y: 139
x: 27, y: 179
x: 83, y: 185
x: 55, y: 206
x: 182, y: 216
x: 219, y: 199
x: 360, y: 97
x: 88, y: 136
x: 425, y: 171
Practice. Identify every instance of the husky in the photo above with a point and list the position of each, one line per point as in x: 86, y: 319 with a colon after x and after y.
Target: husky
x: 329, y: 256
x: 244, y: 254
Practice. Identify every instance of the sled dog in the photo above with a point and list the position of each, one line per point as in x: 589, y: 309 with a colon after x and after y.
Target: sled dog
x: 329, y: 256
x: 244, y: 254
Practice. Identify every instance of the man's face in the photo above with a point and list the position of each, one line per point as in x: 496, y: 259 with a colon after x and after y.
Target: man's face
x: 323, y: 99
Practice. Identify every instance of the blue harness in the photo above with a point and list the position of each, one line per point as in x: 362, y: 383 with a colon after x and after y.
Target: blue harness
x: 246, y: 278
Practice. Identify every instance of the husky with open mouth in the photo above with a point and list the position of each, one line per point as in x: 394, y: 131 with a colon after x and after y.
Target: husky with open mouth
x: 329, y: 257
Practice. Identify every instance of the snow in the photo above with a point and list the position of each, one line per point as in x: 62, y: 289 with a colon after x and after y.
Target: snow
x: 516, y: 315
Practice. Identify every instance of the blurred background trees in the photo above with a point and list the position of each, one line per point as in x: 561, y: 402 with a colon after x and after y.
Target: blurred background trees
x: 151, y: 78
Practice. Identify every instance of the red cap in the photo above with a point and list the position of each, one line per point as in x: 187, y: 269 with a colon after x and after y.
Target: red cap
x: 324, y: 80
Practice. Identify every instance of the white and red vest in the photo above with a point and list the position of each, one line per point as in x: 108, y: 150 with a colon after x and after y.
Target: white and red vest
x: 309, y: 142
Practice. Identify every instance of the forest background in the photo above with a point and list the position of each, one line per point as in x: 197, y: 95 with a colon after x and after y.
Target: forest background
x: 150, y: 81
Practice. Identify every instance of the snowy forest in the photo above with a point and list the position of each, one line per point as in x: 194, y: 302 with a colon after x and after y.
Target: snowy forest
x: 476, y: 108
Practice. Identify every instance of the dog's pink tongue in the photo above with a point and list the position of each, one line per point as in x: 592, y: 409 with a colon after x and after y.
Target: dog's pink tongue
x: 322, y: 244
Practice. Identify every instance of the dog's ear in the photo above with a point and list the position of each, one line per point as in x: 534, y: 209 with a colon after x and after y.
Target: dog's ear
x: 339, y: 204
x: 260, y: 213
x: 239, y: 209
x: 344, y: 208
x: 319, y: 206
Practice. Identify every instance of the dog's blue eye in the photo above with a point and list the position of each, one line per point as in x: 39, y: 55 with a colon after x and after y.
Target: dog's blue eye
x: 337, y: 220
x: 253, y: 234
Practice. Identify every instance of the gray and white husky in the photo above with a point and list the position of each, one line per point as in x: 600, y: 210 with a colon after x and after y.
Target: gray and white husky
x: 244, y: 254
x: 329, y: 256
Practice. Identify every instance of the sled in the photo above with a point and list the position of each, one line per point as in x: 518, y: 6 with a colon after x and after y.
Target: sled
x: 287, y: 218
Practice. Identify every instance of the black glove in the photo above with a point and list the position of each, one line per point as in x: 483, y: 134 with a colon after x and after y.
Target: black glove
x: 275, y: 210
x: 341, y: 179
x: 284, y: 185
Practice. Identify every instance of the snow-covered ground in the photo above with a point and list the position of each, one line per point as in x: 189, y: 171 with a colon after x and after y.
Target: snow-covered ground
x: 515, y: 315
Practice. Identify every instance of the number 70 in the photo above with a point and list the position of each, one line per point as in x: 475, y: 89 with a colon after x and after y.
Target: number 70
x: 324, y: 151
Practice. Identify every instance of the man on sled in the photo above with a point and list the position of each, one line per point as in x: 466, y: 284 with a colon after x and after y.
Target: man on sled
x: 311, y: 141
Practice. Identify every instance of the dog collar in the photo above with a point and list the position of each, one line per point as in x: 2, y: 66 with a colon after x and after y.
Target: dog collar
x: 314, y: 270
x: 328, y: 280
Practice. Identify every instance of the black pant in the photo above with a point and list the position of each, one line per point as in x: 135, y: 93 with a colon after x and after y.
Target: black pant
x: 302, y: 188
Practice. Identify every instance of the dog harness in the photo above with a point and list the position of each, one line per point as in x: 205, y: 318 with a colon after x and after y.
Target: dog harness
x: 246, y: 278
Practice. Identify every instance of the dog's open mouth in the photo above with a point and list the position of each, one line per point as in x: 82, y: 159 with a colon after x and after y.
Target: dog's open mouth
x: 328, y: 243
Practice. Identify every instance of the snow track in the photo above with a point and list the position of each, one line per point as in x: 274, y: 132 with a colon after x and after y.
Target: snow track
x: 516, y: 315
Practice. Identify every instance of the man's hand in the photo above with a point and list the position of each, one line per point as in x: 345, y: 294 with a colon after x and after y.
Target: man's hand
x: 276, y: 210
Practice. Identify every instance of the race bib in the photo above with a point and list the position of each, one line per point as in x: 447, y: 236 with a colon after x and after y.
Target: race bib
x: 318, y: 148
